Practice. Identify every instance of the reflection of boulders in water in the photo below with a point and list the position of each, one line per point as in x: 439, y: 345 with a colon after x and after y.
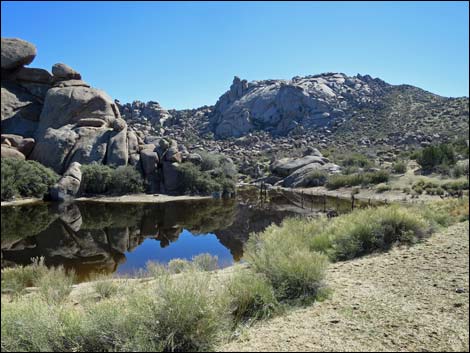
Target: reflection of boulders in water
x: 94, y: 237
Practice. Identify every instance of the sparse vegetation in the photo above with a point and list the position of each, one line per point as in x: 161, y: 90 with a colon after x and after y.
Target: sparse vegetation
x: 22, y: 178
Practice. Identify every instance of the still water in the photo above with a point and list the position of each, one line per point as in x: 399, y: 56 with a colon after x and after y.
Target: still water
x: 91, y: 237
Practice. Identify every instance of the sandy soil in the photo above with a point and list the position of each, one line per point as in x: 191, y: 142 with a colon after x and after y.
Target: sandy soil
x: 140, y: 198
x: 20, y: 202
x: 410, y: 299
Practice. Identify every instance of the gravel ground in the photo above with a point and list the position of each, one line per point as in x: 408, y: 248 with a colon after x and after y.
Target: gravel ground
x: 410, y: 299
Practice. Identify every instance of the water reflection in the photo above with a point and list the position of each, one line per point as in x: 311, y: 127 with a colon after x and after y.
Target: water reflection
x: 96, y: 237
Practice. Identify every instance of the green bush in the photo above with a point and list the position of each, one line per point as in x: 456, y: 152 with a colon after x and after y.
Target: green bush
x: 375, y: 177
x: 356, y: 160
x: 382, y: 188
x: 96, y: 179
x: 20, y: 178
x: 316, y: 178
x: 100, y: 179
x: 210, y: 161
x: 29, y: 324
x: 251, y: 297
x: 126, y: 180
x: 16, y: 279
x: 399, y: 167
x: 195, y: 180
x: 105, y: 288
x: 431, y: 157
x: 455, y: 185
x: 178, y: 314
x: 293, y: 270
x: 365, y: 231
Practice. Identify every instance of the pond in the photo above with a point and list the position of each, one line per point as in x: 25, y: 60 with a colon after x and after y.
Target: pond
x: 91, y: 237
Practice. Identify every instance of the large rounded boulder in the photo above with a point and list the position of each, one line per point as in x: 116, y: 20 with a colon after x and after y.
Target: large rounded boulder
x: 16, y: 53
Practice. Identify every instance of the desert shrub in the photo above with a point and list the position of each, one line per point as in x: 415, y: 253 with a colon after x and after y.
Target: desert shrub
x: 179, y: 265
x: 431, y: 157
x: 105, y: 288
x: 374, y: 177
x: 455, y: 185
x: 177, y: 314
x: 293, y: 270
x: 382, y: 188
x: 206, y: 262
x: 16, y: 279
x: 338, y: 181
x: 54, y: 284
x: 126, y: 180
x: 399, y: 167
x: 25, y: 178
x: 209, y: 160
x: 315, y: 178
x: 364, y: 231
x: 195, y: 180
x: 446, y: 212
x: 96, y: 178
x: 156, y: 269
x: 251, y: 297
x: 102, y: 179
x: 29, y: 324
x: 106, y: 326
x: 356, y: 160
x: 459, y: 170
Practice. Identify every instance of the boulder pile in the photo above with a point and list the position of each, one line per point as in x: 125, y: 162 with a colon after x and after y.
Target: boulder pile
x: 62, y: 122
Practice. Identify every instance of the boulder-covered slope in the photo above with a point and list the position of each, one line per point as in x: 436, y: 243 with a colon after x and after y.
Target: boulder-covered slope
x: 366, y: 105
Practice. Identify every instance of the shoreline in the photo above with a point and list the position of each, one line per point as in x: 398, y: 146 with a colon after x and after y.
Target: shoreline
x: 134, y: 198
x: 141, y: 198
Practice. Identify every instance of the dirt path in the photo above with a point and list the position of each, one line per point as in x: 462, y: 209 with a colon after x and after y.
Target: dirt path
x: 410, y: 299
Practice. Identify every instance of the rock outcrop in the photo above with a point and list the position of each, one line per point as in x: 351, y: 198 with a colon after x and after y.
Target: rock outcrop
x: 67, y: 187
x: 296, y: 172
x: 281, y: 105
x: 16, y: 53
x: 160, y: 161
x: 58, y: 119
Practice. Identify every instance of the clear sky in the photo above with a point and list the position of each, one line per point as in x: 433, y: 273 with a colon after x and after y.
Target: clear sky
x: 185, y: 54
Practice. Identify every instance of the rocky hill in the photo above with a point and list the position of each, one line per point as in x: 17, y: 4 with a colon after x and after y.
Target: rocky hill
x: 335, y: 101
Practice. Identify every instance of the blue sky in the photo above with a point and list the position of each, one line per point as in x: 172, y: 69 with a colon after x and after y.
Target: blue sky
x: 185, y: 54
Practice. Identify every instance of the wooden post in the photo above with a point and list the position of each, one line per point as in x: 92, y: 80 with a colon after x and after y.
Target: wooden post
x: 302, y: 198
x: 352, y: 201
x: 324, y: 203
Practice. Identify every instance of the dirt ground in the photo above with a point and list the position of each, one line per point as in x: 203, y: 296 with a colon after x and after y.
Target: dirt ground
x: 410, y: 299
